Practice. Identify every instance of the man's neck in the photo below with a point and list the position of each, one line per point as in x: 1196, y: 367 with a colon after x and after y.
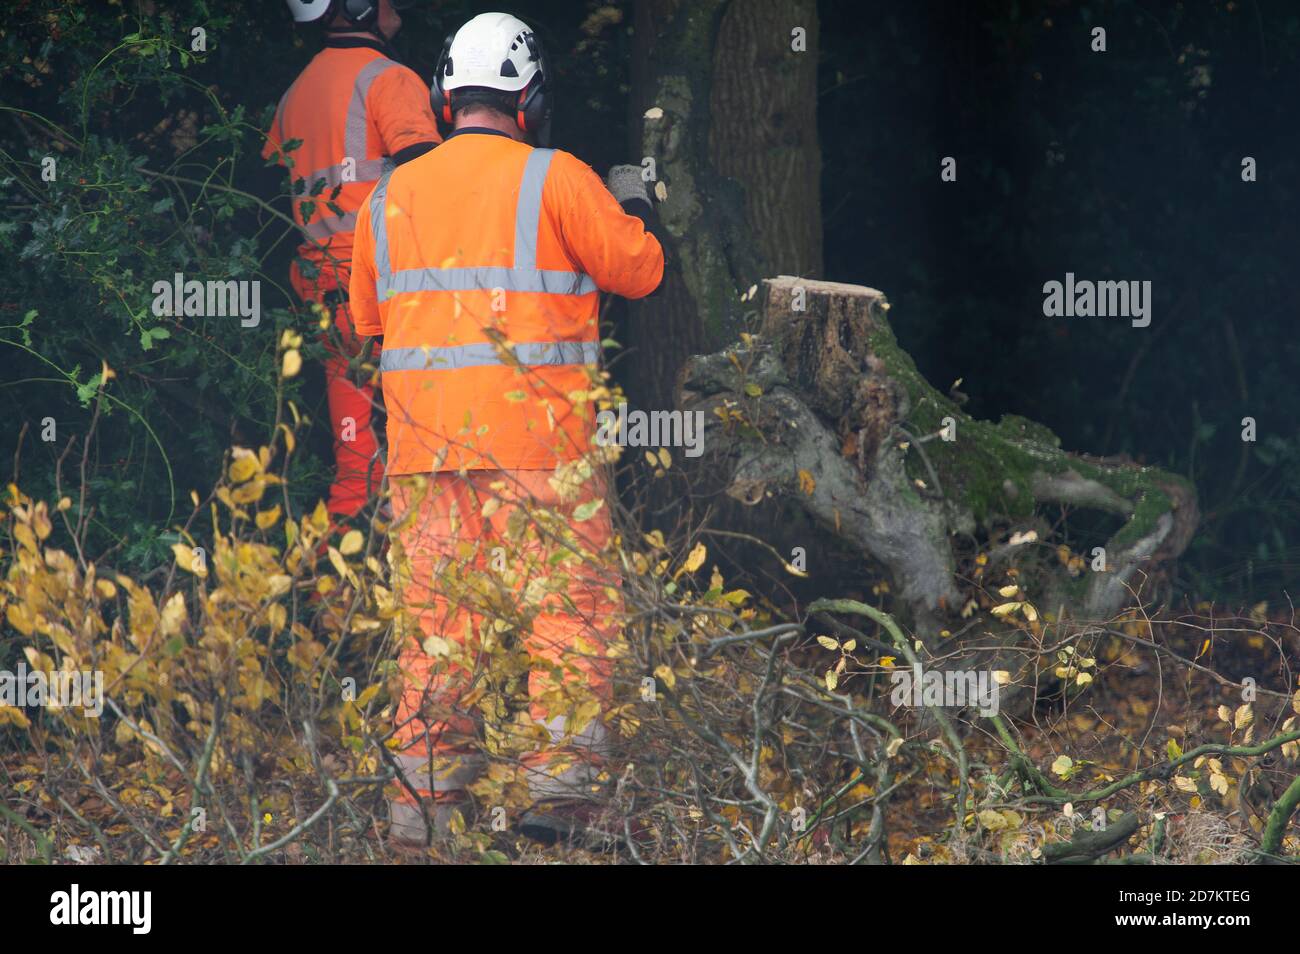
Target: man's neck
x: 489, y: 119
x: 373, y: 36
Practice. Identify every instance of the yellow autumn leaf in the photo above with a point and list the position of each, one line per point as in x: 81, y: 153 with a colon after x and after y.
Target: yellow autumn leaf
x: 352, y: 542
x: 696, y: 558
x: 173, y: 615
x: 188, y: 560
x: 437, y: 647
x: 664, y: 673
x: 41, y: 521
x: 828, y: 643
x: 992, y: 820
x: 336, y: 560
x: 1243, y: 717
x: 12, y: 715
x: 1009, y: 590
x: 291, y: 364
x: 242, y: 468
x: 19, y: 619
x: 268, y: 518
x: 25, y: 536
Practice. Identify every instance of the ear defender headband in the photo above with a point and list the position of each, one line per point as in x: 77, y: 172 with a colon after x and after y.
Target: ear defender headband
x: 533, y: 108
x: 439, y: 98
x: 362, y: 13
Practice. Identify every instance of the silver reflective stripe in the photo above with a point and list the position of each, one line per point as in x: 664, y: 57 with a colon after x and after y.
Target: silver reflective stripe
x: 525, y: 276
x: 379, y: 226
x: 321, y: 229
x: 449, y: 773
x: 529, y: 354
x: 354, y: 132
x: 354, y: 147
x: 485, y: 277
x: 367, y: 170
x: 528, y: 211
x: 574, y: 771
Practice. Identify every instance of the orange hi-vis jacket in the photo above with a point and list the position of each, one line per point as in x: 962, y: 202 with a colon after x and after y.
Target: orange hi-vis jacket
x: 353, y: 108
x: 479, y: 263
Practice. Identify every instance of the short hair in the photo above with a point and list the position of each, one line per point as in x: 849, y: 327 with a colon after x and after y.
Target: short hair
x: 471, y: 98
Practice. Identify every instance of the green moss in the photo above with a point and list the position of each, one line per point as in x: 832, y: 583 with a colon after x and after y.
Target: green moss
x: 977, y: 469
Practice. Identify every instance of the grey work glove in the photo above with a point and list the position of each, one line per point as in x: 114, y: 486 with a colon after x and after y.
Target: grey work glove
x: 625, y: 182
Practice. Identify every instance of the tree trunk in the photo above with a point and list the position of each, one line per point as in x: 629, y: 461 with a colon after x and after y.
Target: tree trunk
x: 764, y: 130
x: 733, y: 138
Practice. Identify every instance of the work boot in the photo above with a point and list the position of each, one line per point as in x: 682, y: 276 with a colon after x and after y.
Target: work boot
x: 573, y: 822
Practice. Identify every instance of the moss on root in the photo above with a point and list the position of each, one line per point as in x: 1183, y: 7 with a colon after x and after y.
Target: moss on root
x: 990, y: 467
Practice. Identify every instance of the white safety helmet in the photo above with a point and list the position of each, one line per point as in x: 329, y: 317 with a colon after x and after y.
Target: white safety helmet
x: 308, y: 11
x: 493, y: 50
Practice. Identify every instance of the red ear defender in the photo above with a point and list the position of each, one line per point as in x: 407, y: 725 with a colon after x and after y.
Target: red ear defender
x: 446, y: 108
x: 520, y: 120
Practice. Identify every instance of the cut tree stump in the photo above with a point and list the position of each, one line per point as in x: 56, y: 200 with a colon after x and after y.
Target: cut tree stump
x: 822, y: 410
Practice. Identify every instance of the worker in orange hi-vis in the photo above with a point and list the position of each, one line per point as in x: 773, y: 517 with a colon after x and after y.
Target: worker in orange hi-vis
x: 356, y: 112
x: 480, y: 264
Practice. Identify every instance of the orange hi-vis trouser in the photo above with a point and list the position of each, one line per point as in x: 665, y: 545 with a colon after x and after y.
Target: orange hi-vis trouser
x: 460, y: 525
x: 358, y: 464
